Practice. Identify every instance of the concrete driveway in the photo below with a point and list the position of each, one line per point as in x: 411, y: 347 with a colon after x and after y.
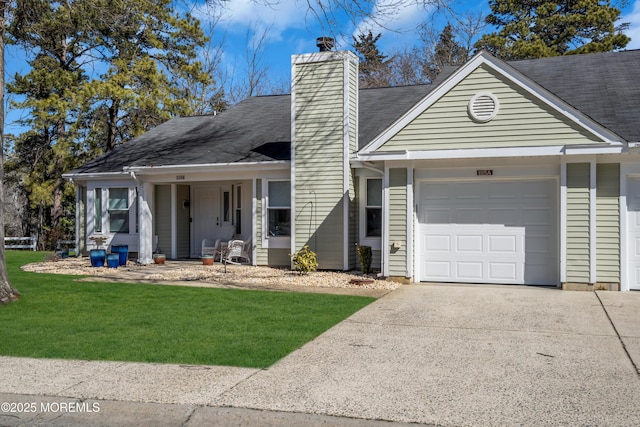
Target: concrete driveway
x: 448, y: 355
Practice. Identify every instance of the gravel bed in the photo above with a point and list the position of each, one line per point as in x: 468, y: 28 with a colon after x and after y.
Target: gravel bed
x: 194, y: 271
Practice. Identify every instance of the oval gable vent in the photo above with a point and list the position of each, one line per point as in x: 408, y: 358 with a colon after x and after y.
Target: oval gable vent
x: 483, y: 107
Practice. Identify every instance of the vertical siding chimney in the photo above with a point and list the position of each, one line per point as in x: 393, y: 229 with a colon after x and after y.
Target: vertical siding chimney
x: 324, y: 131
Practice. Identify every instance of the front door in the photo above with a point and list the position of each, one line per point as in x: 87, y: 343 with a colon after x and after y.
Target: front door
x: 211, y: 215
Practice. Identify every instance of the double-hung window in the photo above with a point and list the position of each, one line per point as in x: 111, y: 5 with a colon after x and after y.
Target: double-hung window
x: 119, y: 210
x: 373, y: 208
x: 279, y: 208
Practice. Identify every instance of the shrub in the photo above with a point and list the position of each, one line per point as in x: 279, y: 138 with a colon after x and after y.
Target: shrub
x: 305, y: 260
x: 365, y: 256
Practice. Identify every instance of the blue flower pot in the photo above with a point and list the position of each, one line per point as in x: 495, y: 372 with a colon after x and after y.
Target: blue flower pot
x: 113, y: 260
x: 122, y: 251
x: 98, y: 257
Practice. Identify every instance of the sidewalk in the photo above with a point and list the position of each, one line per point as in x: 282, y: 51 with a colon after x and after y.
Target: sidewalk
x: 447, y: 355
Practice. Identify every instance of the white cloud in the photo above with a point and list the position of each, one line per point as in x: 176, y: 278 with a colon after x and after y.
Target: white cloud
x: 239, y: 15
x: 395, y: 19
x: 633, y: 18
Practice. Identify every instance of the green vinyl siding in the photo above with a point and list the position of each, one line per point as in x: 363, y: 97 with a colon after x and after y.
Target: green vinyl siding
x: 522, y: 120
x: 578, y: 237
x: 398, y: 221
x: 320, y: 157
x: 608, y: 223
x: 262, y: 254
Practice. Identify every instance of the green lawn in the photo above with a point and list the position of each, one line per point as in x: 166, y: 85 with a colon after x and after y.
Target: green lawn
x: 59, y: 318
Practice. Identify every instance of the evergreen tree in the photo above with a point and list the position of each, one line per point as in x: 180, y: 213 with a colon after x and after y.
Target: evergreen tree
x: 7, y: 292
x: 540, y: 28
x: 374, y: 70
x: 102, y: 72
x: 447, y: 52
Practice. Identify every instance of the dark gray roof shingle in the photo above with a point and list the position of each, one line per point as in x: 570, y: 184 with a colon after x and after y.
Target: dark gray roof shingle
x: 604, y: 86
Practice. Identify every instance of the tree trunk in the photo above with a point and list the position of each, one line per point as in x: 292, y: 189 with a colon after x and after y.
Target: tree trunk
x: 7, y: 293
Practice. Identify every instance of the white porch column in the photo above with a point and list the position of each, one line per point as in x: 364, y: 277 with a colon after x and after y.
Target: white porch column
x: 174, y: 221
x: 145, y: 222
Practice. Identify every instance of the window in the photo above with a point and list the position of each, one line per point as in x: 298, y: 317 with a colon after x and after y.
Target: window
x: 238, y: 210
x: 226, y: 206
x: 279, y: 208
x: 97, y: 210
x: 119, y: 210
x: 373, y: 207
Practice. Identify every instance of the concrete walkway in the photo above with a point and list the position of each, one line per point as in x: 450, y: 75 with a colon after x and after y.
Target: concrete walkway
x: 446, y: 355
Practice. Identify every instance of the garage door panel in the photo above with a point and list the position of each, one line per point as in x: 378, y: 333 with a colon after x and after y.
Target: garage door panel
x: 500, y: 272
x: 502, y: 244
x: 502, y: 216
x: 439, y: 270
x: 469, y: 271
x: 466, y: 215
x: 469, y: 243
x: 440, y: 243
x: 499, y: 232
x: 437, y: 216
x: 532, y: 216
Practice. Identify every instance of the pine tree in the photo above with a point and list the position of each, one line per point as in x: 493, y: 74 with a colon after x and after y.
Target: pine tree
x: 540, y: 28
x: 7, y: 292
x: 374, y: 68
x: 102, y: 72
x: 446, y: 52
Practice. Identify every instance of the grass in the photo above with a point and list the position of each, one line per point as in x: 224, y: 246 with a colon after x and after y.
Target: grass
x: 57, y: 317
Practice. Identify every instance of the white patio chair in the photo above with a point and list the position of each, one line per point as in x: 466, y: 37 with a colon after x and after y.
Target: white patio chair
x: 238, y: 250
x: 215, y: 246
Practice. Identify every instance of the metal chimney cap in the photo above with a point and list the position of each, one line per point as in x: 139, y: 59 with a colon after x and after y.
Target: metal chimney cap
x: 325, y: 44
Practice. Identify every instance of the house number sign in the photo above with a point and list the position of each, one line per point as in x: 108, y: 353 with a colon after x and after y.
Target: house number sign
x: 484, y: 172
x: 179, y: 177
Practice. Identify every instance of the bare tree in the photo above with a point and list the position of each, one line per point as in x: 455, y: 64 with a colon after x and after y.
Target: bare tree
x: 7, y: 292
x: 255, y: 76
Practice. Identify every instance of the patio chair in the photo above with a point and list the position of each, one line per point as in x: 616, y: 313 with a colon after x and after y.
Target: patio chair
x: 215, y: 246
x: 238, y: 250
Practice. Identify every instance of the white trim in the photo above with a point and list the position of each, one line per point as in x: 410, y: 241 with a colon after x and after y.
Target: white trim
x: 374, y: 242
x: 254, y: 221
x: 292, y: 173
x: 563, y: 222
x: 174, y: 221
x: 553, y: 150
x: 384, y: 250
x: 624, y: 241
x: 345, y: 165
x: 501, y: 67
x: 204, y: 167
x: 410, y: 224
x: 281, y: 242
x: 592, y: 223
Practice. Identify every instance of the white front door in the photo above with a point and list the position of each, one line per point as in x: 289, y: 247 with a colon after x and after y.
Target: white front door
x: 489, y: 232
x: 206, y: 216
x: 633, y: 224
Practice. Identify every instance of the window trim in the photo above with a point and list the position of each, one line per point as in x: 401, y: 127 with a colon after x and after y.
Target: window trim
x: 101, y: 189
x: 374, y: 241
x: 283, y: 242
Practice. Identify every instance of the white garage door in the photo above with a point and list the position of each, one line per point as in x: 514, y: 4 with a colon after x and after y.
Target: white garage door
x: 489, y: 232
x: 633, y: 208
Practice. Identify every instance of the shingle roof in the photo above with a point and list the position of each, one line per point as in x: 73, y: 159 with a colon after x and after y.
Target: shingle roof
x: 604, y: 86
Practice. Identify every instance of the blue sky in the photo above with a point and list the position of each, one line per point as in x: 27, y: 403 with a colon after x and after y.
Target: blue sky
x: 292, y: 29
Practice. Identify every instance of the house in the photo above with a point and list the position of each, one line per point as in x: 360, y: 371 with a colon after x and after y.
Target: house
x: 524, y: 172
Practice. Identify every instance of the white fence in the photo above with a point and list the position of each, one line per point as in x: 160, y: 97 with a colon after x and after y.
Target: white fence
x: 21, y: 243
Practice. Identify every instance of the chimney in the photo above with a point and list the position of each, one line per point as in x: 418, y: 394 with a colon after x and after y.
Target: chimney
x: 324, y: 134
x: 325, y: 44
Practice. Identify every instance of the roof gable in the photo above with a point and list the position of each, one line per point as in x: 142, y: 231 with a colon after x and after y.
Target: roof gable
x: 469, y: 80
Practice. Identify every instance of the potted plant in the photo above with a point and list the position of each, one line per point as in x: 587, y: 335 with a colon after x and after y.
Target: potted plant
x: 98, y: 256
x: 207, y: 259
x: 159, y: 258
